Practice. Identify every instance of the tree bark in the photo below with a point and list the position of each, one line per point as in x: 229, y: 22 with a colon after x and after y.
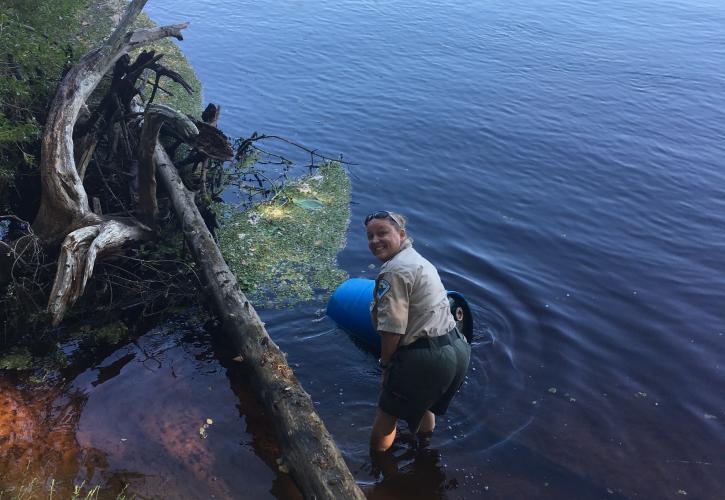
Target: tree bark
x: 308, y: 450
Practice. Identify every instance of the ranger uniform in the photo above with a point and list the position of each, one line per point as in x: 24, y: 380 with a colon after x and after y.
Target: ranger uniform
x: 432, y: 357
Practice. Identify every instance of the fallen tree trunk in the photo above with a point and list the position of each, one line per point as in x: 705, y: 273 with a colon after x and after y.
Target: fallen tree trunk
x: 308, y: 450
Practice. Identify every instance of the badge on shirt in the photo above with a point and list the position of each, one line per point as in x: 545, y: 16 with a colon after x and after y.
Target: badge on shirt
x: 383, y: 287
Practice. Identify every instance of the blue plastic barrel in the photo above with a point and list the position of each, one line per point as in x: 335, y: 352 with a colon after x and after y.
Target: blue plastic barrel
x: 349, y: 307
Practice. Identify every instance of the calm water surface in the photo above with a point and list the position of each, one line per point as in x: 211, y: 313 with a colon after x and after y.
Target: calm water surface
x: 561, y: 163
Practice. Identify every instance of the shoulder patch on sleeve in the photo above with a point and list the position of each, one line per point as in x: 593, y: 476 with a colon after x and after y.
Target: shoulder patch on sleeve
x: 382, y: 288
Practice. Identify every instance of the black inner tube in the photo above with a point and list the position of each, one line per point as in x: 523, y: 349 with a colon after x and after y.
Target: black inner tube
x: 462, y: 314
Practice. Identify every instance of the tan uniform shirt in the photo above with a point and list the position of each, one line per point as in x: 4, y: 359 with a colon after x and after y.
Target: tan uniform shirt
x: 409, y: 298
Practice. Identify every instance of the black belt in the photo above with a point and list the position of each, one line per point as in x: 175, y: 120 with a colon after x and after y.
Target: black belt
x: 439, y: 341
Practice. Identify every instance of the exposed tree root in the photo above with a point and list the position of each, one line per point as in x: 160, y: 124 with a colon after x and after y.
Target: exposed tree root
x: 78, y: 255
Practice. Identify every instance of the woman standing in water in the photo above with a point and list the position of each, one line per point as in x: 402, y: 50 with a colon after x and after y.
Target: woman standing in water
x: 423, y: 355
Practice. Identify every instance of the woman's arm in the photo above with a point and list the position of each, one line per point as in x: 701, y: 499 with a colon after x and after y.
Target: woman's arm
x: 388, y: 344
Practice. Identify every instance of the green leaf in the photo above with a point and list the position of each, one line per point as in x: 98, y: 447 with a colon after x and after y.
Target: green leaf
x: 308, y: 203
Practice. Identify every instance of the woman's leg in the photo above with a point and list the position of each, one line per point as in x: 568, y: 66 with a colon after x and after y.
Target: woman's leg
x: 383, y: 432
x: 427, y: 423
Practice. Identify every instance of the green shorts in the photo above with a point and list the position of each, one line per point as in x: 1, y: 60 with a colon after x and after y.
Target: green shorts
x: 425, y: 376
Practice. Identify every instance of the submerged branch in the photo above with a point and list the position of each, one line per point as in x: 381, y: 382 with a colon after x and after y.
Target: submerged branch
x: 312, y: 152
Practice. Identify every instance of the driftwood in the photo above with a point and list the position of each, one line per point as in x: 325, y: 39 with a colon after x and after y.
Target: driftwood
x: 78, y: 255
x: 308, y: 451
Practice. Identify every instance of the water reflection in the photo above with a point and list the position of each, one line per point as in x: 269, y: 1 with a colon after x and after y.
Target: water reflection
x: 170, y: 424
x: 37, y: 436
x: 258, y: 426
x: 160, y: 417
x: 107, y: 372
x: 408, y: 471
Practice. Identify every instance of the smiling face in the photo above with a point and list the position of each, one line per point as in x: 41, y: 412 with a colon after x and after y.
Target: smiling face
x: 384, y: 238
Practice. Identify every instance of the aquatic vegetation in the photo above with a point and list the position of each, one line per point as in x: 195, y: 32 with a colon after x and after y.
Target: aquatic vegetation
x: 106, y: 335
x: 16, y: 360
x: 284, y: 251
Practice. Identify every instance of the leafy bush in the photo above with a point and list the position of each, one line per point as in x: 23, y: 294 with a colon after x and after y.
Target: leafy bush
x: 35, y: 51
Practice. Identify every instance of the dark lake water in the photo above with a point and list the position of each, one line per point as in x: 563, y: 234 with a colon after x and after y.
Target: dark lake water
x: 561, y: 163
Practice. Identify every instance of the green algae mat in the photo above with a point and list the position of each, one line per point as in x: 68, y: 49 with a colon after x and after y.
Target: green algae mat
x: 284, y: 252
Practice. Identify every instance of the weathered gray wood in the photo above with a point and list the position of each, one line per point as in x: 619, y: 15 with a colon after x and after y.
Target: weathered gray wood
x: 78, y: 254
x: 154, y: 118
x: 64, y: 213
x: 63, y: 200
x: 308, y: 451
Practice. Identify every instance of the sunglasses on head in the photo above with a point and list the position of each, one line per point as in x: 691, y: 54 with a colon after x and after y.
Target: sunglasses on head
x: 383, y: 214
